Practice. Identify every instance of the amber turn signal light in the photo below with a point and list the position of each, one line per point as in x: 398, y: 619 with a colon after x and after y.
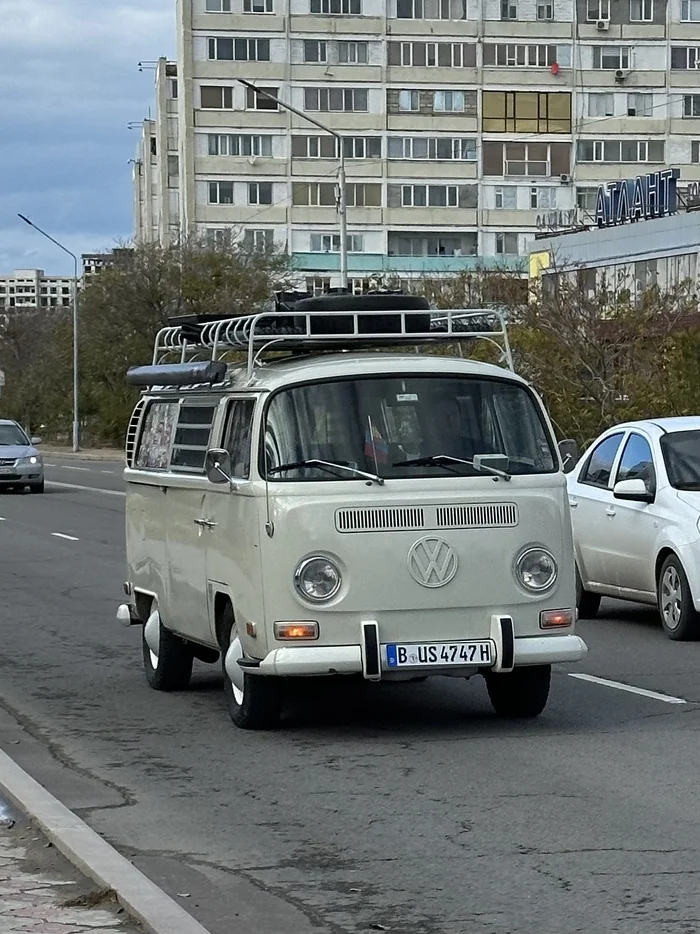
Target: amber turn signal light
x: 292, y: 632
x: 556, y: 619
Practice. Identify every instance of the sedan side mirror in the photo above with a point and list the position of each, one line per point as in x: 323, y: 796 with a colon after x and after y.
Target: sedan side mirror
x: 568, y: 449
x: 217, y: 466
x: 35, y: 440
x: 634, y: 491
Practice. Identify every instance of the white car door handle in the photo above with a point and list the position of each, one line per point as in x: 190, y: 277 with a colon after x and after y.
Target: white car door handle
x: 610, y: 511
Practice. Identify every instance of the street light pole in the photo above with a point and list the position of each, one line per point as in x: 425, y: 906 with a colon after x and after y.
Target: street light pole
x: 342, y: 200
x: 76, y: 415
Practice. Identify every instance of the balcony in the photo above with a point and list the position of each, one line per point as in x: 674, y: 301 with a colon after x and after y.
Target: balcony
x: 380, y: 263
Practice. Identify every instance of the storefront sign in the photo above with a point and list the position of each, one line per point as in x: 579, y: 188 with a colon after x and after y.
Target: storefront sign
x: 556, y: 220
x: 636, y: 199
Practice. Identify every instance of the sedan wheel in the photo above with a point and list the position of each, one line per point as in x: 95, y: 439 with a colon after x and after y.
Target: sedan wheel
x: 679, y: 618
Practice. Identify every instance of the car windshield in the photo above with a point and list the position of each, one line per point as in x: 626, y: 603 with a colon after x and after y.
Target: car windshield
x: 12, y: 435
x: 399, y: 427
x: 681, y: 450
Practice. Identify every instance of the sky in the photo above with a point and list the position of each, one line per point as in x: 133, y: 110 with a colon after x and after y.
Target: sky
x: 69, y: 87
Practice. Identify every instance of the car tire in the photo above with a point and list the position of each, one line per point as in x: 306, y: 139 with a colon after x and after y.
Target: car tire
x: 521, y: 693
x: 254, y: 702
x: 679, y: 618
x: 587, y: 603
x: 36, y: 487
x: 171, y: 668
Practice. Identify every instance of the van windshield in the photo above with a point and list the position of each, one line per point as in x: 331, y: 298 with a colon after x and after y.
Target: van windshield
x: 385, y: 425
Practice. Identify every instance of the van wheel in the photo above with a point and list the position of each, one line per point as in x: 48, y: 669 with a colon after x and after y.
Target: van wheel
x: 520, y: 693
x: 679, y: 617
x: 587, y: 603
x: 169, y: 667
x: 253, y: 701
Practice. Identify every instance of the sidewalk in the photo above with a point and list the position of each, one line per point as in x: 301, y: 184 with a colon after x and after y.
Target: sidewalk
x: 42, y: 893
x: 88, y: 454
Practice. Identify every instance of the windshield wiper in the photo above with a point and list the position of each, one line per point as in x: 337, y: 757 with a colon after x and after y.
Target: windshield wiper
x: 329, y: 467
x: 444, y: 460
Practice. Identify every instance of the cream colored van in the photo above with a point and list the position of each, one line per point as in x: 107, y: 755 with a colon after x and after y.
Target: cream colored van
x: 302, y: 502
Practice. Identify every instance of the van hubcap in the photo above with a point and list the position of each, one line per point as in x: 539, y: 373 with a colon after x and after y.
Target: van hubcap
x: 671, y: 598
x: 151, y: 634
x: 236, y: 675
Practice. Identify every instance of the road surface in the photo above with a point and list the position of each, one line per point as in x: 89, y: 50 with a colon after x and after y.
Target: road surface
x: 410, y: 809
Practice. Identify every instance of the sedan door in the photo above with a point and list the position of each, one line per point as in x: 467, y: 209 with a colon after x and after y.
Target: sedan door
x: 591, y: 502
x: 634, y: 525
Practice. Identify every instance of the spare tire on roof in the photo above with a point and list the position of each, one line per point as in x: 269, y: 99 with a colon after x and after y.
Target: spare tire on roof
x: 378, y: 321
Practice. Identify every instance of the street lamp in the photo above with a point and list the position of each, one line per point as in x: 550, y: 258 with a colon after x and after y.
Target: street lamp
x: 342, y: 202
x: 76, y: 422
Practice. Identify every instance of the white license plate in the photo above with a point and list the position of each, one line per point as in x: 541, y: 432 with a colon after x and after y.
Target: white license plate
x: 6, y: 470
x: 439, y: 654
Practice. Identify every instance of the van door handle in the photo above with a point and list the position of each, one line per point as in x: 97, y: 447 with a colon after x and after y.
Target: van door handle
x: 573, y: 502
x: 205, y: 523
x: 610, y: 511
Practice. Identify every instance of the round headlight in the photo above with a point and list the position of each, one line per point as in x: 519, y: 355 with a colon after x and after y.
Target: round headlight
x: 536, y: 570
x: 317, y: 579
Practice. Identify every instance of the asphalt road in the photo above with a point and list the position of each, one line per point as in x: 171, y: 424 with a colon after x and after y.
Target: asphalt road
x: 405, y: 808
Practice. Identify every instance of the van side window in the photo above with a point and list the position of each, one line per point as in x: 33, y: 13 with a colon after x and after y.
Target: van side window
x: 239, y: 422
x: 157, y: 436
x: 192, y: 438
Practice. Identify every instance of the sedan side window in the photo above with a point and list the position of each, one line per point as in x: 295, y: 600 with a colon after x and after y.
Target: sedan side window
x: 239, y: 422
x: 599, y: 465
x: 637, y: 462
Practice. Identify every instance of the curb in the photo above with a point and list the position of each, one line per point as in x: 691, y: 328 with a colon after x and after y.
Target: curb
x: 93, y: 856
x: 106, y: 455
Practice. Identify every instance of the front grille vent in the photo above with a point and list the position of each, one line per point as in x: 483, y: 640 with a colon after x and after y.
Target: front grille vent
x: 385, y: 519
x: 5, y: 462
x: 477, y: 516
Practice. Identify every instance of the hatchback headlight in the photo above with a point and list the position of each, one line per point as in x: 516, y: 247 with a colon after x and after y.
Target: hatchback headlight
x: 536, y: 569
x: 317, y: 579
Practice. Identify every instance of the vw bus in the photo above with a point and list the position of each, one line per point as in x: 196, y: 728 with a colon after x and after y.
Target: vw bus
x: 310, y: 493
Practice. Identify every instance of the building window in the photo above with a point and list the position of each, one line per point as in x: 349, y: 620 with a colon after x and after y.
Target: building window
x: 545, y: 12
x: 691, y: 105
x: 239, y: 50
x: 601, y: 105
x: 336, y: 99
x: 215, y: 98
x: 316, y: 194
x: 507, y: 244
x: 506, y: 198
x: 258, y: 6
x: 315, y: 51
x: 641, y: 11
x: 218, y: 6
x: 256, y: 101
x: 326, y: 147
x: 432, y: 148
x: 597, y: 10
x: 317, y: 285
x: 330, y: 243
x: 526, y: 159
x: 409, y: 100
x: 353, y: 53
x: 509, y: 9
x: 640, y: 105
x: 433, y: 54
x: 449, y: 101
x: 261, y: 241
x: 172, y: 83
x: 336, y: 7
x: 613, y: 57
x: 543, y: 198
x: 363, y: 195
x: 690, y: 11
x: 220, y: 192
x: 626, y: 150
x: 684, y: 58
x: 586, y: 198
x: 434, y: 196
x: 526, y: 112
x: 229, y: 144
x: 431, y: 9
x: 531, y: 56
x: 259, y: 192
x: 695, y: 151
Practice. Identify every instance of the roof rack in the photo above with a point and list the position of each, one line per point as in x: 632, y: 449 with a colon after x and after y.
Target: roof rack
x: 208, y: 338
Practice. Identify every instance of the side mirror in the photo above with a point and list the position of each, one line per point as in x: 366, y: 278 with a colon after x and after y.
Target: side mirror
x: 568, y: 450
x: 634, y: 491
x: 217, y: 466
x: 35, y: 440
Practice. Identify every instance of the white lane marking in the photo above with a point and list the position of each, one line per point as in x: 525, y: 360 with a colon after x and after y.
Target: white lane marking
x: 108, y: 471
x: 3, y: 519
x: 68, y: 538
x: 66, y: 467
x: 89, y: 489
x: 618, y: 685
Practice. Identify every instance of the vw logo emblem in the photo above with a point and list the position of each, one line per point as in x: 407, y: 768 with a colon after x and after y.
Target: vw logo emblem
x: 432, y: 562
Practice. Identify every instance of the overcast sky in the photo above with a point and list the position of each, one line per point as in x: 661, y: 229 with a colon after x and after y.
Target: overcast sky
x: 69, y: 85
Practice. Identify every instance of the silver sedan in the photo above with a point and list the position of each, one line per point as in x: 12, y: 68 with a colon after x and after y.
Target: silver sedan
x: 20, y: 463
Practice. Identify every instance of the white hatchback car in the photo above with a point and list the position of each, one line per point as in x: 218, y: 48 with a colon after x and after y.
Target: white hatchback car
x: 635, y: 506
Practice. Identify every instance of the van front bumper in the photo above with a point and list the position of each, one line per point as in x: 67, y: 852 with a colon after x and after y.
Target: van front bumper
x: 300, y: 661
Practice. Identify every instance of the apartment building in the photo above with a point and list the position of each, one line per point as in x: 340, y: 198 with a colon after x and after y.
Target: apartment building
x: 32, y: 288
x: 467, y: 125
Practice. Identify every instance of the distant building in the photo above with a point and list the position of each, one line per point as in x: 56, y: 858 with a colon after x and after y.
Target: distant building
x: 93, y: 263
x: 32, y: 288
